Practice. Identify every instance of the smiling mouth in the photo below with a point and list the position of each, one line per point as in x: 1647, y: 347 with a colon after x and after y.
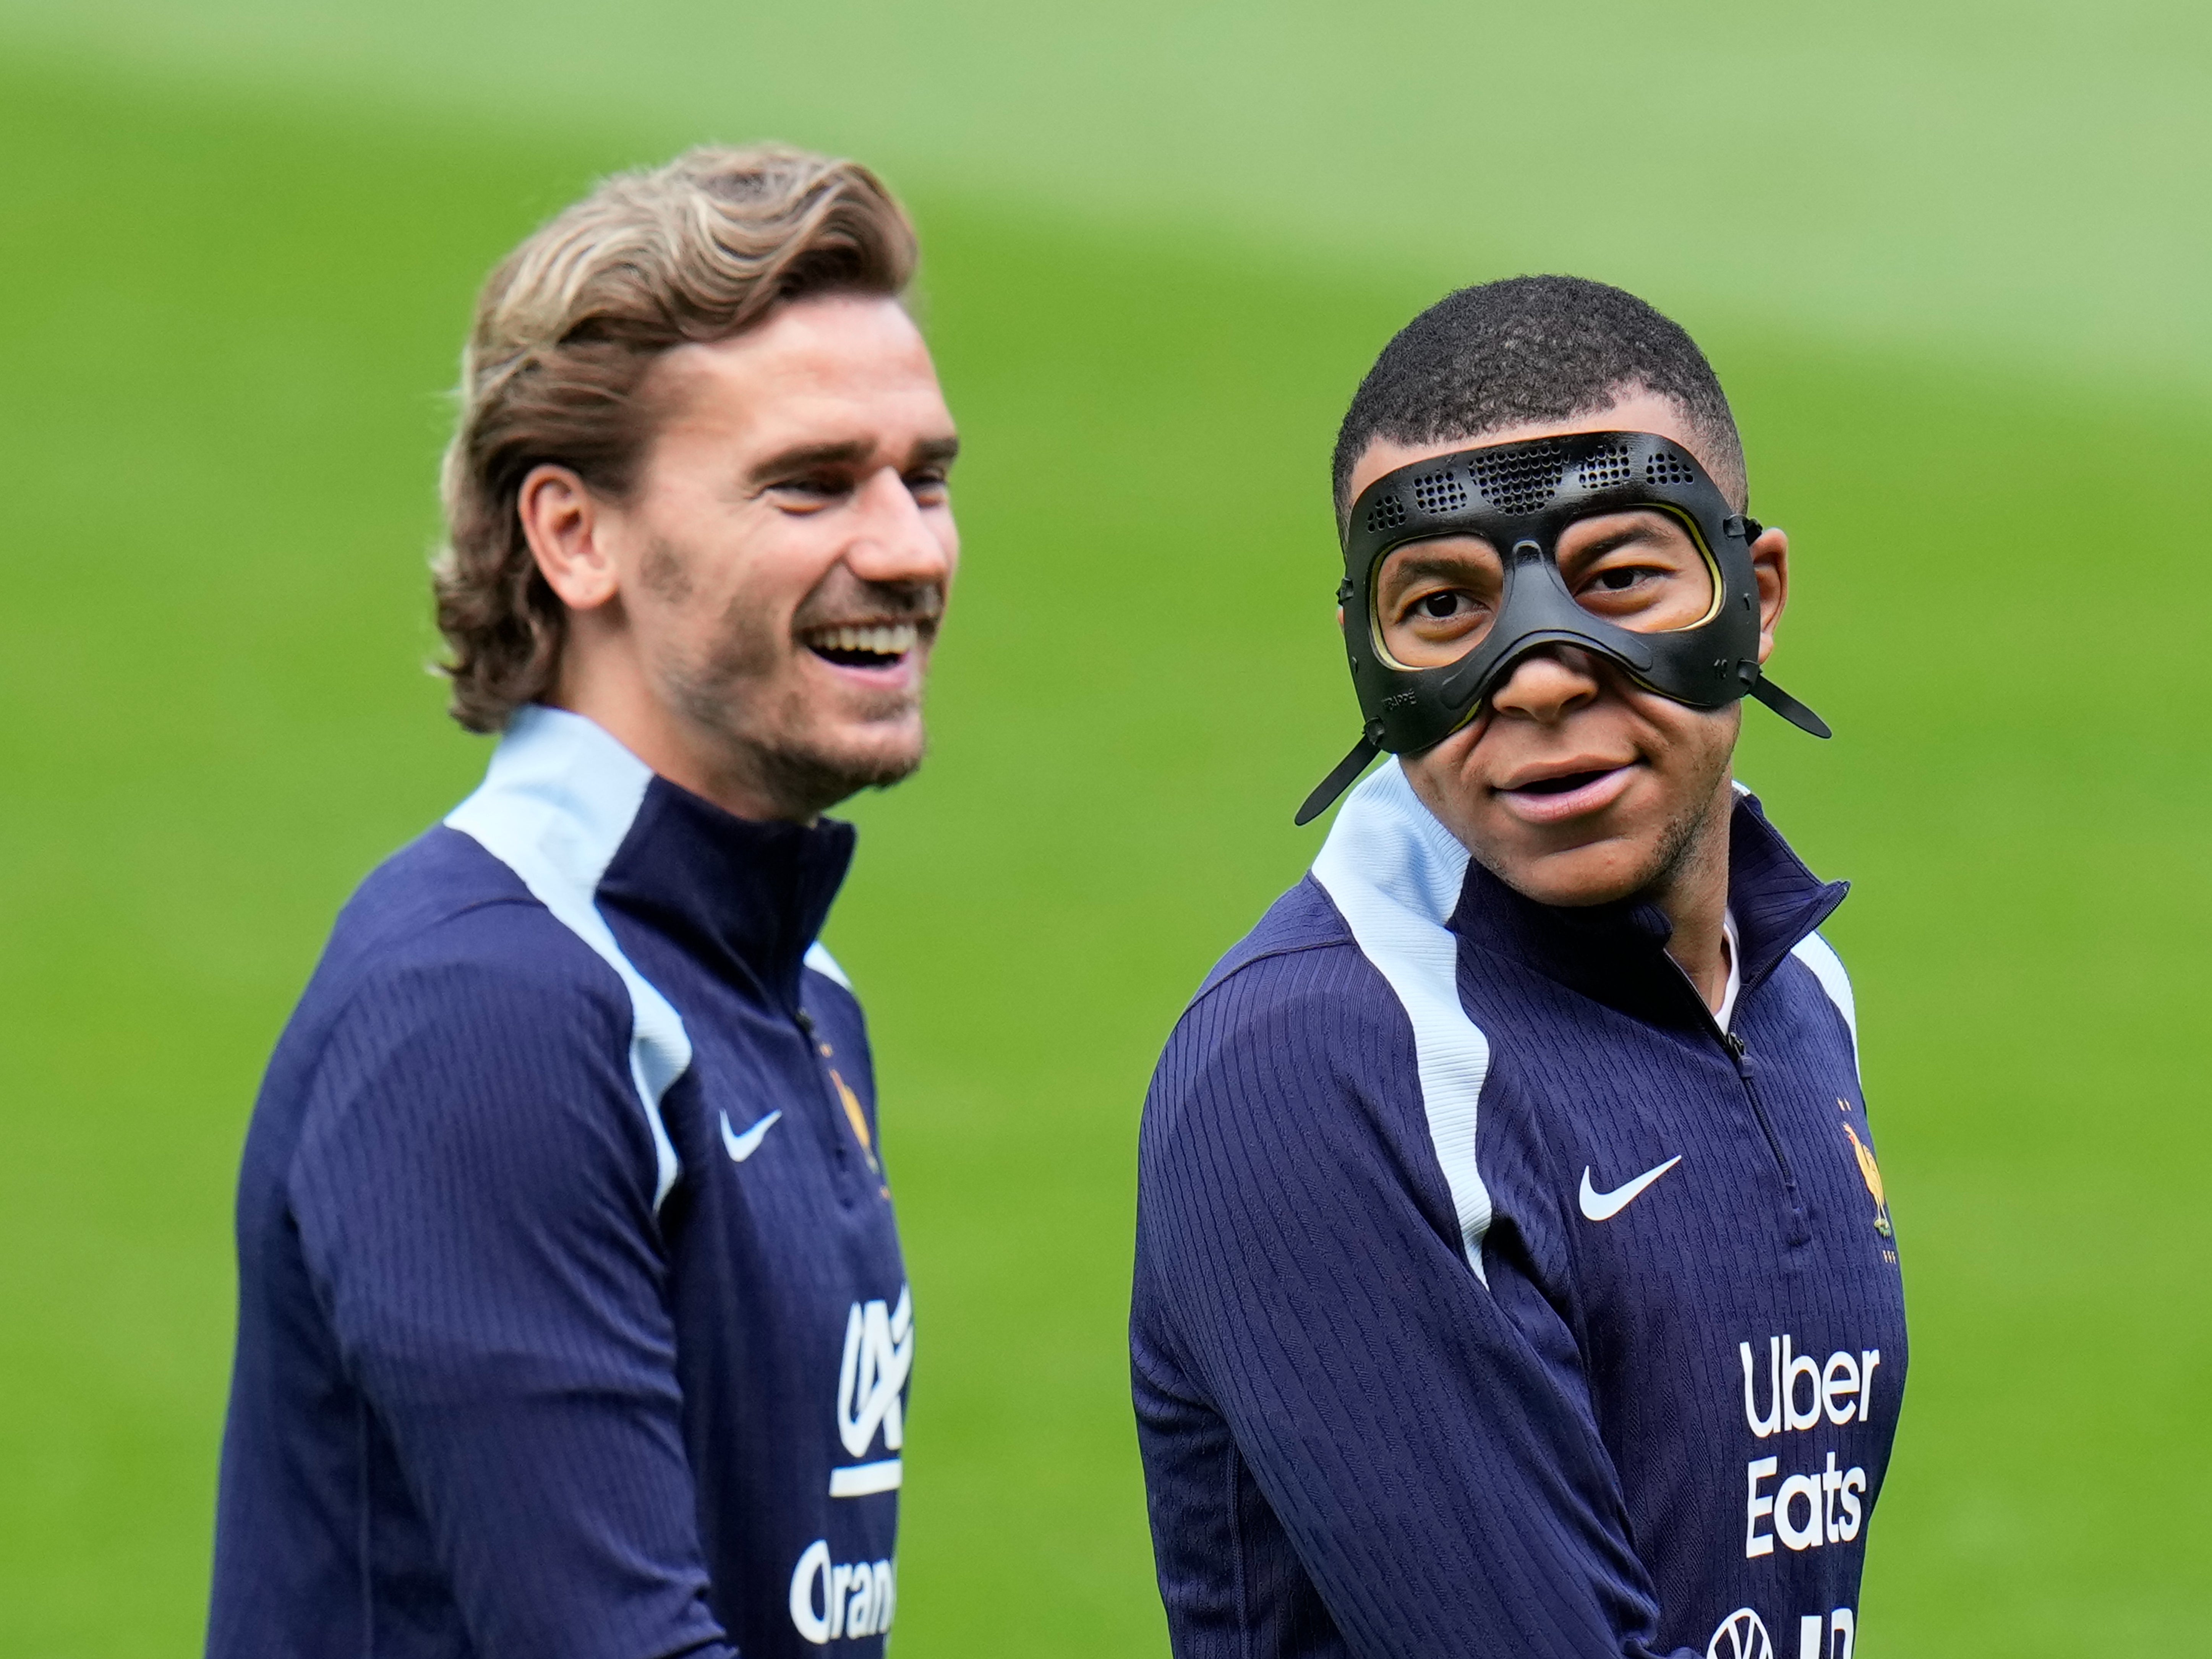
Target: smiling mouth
x: 1565, y: 783
x: 876, y: 645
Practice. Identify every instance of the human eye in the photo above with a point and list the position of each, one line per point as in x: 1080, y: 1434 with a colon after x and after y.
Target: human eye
x: 810, y: 492
x: 1626, y: 579
x: 1437, y: 609
x: 930, y: 486
x: 1435, y: 599
x: 1433, y: 623
x: 1646, y: 589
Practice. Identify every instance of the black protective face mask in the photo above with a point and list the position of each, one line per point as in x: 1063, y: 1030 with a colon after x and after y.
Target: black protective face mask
x: 1522, y: 500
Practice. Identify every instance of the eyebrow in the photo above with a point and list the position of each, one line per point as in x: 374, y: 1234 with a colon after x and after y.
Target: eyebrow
x: 1640, y: 529
x: 852, y: 451
x: 1437, y: 564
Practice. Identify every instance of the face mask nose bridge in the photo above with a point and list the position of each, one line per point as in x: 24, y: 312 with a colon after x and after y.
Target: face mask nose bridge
x: 1538, y: 612
x: 1476, y: 675
x: 1523, y: 497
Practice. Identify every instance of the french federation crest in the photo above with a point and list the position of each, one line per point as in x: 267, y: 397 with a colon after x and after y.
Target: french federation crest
x: 1870, y: 1172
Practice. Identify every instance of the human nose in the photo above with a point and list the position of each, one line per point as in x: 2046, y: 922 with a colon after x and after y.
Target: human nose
x: 897, y: 541
x: 1547, y: 685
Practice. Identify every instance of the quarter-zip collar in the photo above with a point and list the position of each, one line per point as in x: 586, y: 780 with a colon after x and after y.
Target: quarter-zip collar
x: 590, y: 829
x: 747, y: 896
x: 1617, y: 953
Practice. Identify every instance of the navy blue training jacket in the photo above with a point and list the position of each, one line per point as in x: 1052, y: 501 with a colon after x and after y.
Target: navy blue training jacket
x: 1491, y: 1299
x: 572, y: 1317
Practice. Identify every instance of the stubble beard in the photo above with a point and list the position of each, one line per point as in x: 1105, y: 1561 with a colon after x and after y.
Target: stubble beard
x: 809, y: 779
x: 1685, y: 838
x: 1683, y: 843
x: 773, y: 736
x: 1679, y: 842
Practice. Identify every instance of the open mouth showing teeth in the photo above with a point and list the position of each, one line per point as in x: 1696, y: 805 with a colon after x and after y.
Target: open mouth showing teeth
x: 879, y: 646
x: 1561, y: 786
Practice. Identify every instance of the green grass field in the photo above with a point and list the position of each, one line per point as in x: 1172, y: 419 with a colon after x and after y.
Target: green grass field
x: 228, y: 310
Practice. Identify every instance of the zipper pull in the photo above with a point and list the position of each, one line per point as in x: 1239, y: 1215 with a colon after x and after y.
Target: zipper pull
x: 804, y: 1020
x: 1736, y: 1045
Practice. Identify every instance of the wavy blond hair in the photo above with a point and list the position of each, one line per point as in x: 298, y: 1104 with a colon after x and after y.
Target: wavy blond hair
x: 565, y: 329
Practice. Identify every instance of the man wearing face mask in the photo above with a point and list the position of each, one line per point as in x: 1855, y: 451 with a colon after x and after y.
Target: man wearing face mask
x: 1514, y: 1274
x: 573, y: 1319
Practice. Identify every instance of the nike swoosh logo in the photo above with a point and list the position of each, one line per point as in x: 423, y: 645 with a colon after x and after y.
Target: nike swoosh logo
x: 1603, y: 1207
x: 743, y: 1147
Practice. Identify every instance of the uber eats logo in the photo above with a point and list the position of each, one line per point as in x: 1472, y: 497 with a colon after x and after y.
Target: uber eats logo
x: 1820, y: 1505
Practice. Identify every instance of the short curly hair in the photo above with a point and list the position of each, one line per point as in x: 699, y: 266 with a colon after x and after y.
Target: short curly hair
x: 566, y: 328
x: 1533, y: 349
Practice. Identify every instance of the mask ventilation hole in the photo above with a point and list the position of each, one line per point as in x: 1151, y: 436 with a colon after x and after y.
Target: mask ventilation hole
x: 1666, y: 469
x: 1439, y: 492
x: 1519, y: 482
x: 1604, y: 468
x: 1387, y: 514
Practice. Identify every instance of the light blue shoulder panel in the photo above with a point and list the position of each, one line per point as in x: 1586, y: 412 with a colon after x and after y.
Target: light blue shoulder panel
x: 1827, y: 967
x: 1394, y: 873
x: 823, y: 963
x: 559, y: 797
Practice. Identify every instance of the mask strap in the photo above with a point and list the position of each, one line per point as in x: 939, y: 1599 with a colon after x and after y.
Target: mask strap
x: 1786, y: 705
x: 1346, y: 773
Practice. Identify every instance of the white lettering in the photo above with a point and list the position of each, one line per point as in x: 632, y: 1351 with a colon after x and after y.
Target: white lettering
x: 1772, y: 1422
x: 1832, y: 1514
x: 1792, y: 1368
x: 1801, y: 1390
x: 886, y: 1595
x: 1843, y: 1633
x: 813, y: 1566
x: 1854, y: 1481
x: 1793, y: 1536
x: 1840, y: 1380
x: 860, y: 1611
x: 1810, y: 1629
x: 855, y: 1599
x: 1756, y: 1509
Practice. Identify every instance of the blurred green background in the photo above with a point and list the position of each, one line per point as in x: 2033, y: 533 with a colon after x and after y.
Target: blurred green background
x: 1951, y: 262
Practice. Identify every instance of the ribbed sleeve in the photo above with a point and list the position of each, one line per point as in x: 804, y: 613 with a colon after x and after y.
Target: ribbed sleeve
x: 473, y: 1189
x: 1325, y: 1390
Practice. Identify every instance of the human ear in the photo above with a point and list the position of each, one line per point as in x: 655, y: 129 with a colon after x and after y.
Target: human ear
x: 1770, y: 569
x: 565, y: 525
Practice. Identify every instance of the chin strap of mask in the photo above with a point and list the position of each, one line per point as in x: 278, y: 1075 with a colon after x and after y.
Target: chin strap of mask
x: 1346, y: 775
x: 1766, y: 692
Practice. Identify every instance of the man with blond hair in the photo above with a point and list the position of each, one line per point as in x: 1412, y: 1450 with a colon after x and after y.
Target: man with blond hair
x: 572, y: 1315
